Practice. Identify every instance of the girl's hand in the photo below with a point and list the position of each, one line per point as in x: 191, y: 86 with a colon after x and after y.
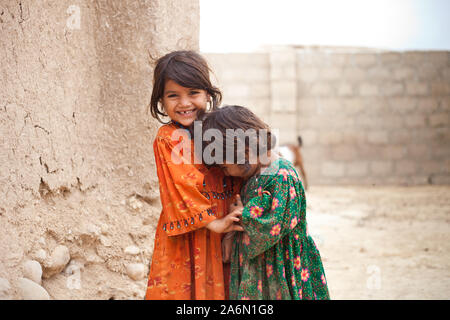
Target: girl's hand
x: 236, y: 204
x: 227, y: 223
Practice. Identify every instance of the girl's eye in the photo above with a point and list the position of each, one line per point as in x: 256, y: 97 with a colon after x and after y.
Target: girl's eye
x: 194, y: 92
x: 171, y: 95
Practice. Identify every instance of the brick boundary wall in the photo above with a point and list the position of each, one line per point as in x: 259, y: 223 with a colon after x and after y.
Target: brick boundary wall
x: 365, y: 116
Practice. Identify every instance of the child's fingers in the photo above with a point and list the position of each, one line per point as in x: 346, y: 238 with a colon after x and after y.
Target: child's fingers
x: 236, y: 227
x: 235, y: 213
x: 235, y: 218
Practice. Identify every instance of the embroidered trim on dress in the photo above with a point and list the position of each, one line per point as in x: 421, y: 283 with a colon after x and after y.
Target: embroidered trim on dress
x: 219, y: 195
x: 189, y: 221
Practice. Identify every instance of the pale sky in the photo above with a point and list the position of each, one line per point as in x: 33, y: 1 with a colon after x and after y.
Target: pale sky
x: 246, y: 25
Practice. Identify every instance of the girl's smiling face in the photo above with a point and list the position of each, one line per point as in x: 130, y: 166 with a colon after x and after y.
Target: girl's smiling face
x: 183, y: 104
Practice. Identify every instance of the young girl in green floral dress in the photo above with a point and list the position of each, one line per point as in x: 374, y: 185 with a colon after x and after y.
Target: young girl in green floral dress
x: 274, y: 258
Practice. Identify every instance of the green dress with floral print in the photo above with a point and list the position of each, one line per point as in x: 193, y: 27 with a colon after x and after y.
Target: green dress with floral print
x: 275, y: 258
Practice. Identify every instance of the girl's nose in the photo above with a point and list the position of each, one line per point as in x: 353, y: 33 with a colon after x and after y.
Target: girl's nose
x: 185, y: 101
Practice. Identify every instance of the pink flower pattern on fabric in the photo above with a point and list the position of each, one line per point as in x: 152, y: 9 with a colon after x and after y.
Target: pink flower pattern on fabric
x: 292, y: 193
x: 260, y: 191
x: 305, y: 274
x: 256, y: 211
x: 294, y: 222
x: 293, y: 174
x: 269, y: 270
x: 278, y: 295
x: 297, y: 263
x: 275, y: 230
x: 275, y: 203
x: 284, y: 173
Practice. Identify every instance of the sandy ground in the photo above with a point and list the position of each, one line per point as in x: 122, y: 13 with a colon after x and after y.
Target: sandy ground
x: 375, y: 242
x: 383, y: 242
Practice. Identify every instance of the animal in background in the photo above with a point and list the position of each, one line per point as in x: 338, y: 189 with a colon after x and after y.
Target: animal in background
x: 292, y: 153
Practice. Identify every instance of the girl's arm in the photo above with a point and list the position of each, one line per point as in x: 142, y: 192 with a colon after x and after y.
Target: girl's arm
x: 227, y: 245
x: 228, y: 239
x: 227, y: 223
x: 185, y: 208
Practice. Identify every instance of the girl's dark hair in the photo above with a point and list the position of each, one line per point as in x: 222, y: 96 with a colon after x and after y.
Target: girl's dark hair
x: 188, y: 69
x: 238, y: 117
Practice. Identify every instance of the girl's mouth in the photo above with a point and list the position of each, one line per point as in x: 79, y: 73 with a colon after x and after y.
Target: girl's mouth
x: 187, y: 112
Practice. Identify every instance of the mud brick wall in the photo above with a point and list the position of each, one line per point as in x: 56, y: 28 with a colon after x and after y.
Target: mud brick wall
x: 77, y: 173
x: 365, y: 116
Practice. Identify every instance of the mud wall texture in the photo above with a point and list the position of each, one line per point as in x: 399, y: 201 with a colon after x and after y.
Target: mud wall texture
x: 78, y: 187
x: 365, y: 116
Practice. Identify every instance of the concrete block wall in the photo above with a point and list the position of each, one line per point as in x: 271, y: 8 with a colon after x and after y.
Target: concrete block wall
x: 244, y: 79
x: 366, y: 117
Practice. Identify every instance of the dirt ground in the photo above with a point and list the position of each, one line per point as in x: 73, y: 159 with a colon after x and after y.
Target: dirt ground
x: 375, y: 242
x: 383, y: 242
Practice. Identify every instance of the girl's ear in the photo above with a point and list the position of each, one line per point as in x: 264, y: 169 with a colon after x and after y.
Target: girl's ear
x: 161, y: 105
x: 210, y: 102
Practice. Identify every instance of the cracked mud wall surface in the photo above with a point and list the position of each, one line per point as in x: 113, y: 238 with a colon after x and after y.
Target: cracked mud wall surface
x: 76, y: 158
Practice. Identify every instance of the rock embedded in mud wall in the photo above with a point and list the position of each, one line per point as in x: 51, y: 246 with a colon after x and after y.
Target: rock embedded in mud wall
x: 132, y: 250
x: 5, y: 289
x: 136, y: 271
x: 74, y: 269
x: 87, y: 234
x: 58, y: 260
x: 105, y: 241
x: 32, y: 270
x: 134, y: 204
x: 40, y: 255
x: 30, y: 290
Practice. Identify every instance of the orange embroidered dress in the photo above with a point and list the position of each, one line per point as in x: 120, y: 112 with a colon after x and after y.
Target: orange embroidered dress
x: 187, y: 257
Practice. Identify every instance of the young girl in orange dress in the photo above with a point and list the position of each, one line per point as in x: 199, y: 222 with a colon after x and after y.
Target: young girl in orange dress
x: 187, y: 257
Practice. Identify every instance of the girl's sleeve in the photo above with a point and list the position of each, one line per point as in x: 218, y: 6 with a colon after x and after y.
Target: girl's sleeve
x: 271, y: 215
x: 185, y: 208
